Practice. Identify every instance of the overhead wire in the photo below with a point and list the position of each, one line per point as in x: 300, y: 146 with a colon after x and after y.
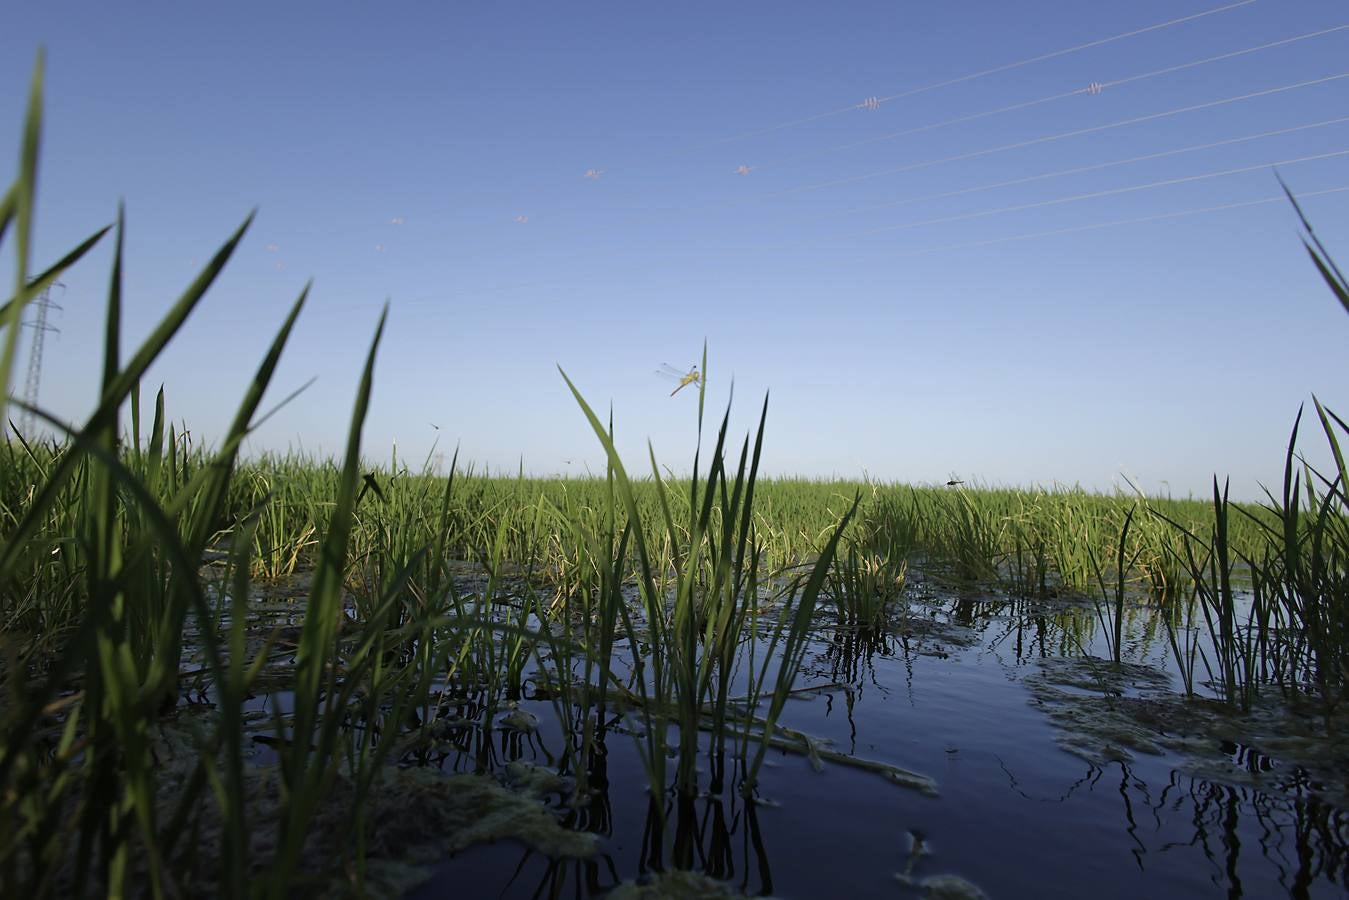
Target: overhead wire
x: 1157, y: 217
x: 1058, y: 53
x: 1110, y: 192
x: 1044, y: 139
x: 1094, y: 88
x: 1094, y: 167
x: 874, y: 102
x: 1026, y: 236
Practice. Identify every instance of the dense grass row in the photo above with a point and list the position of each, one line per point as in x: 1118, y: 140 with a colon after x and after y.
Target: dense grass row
x: 1029, y: 541
x: 665, y: 609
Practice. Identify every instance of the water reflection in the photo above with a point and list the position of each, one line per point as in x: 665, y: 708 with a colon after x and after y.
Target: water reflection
x: 709, y: 833
x: 849, y: 658
x: 1249, y: 838
x: 1305, y: 839
x: 717, y: 833
x: 1243, y: 839
x: 1179, y: 830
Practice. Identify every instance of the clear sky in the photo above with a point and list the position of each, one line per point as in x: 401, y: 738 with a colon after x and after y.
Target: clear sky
x: 913, y: 313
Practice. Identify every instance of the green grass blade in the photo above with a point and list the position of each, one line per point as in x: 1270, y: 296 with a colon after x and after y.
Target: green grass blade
x: 116, y: 389
x: 48, y: 277
x: 304, y: 780
x: 1334, y: 278
x: 24, y: 196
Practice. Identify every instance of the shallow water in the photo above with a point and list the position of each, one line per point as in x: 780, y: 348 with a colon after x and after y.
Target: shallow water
x: 1017, y: 814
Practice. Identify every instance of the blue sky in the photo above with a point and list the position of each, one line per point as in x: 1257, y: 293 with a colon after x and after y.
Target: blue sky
x: 905, y: 306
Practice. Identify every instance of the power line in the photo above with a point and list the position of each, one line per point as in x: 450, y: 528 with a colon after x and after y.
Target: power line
x: 1095, y: 195
x: 1119, y: 222
x: 746, y: 169
x: 1063, y: 135
x: 872, y: 103
x: 1058, y: 53
x: 1093, y: 89
x: 1095, y: 167
x: 1072, y: 229
x: 1225, y: 56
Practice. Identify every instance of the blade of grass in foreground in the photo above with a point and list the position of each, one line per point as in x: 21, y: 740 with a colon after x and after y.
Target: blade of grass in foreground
x: 308, y: 771
x: 798, y: 636
x: 115, y: 391
x: 19, y: 204
x: 1334, y: 278
x: 47, y: 277
x: 655, y: 737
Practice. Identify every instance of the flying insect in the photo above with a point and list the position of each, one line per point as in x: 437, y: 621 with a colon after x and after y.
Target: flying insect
x: 669, y: 372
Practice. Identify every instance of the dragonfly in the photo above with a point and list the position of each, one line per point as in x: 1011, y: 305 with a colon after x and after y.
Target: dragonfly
x: 692, y: 376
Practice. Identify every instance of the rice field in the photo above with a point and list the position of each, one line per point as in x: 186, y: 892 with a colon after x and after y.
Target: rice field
x: 299, y: 676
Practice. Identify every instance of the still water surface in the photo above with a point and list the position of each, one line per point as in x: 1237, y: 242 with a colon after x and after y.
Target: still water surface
x: 1018, y: 816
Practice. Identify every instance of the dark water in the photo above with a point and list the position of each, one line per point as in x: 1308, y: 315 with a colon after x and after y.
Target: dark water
x: 1017, y: 815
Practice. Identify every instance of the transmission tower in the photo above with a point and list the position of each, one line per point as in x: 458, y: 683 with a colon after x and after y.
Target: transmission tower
x: 41, y: 328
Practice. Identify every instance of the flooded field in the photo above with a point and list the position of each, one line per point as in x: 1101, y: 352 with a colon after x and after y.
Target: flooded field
x: 1057, y: 775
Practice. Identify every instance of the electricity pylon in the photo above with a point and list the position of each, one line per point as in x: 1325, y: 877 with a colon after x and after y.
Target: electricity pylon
x: 41, y: 328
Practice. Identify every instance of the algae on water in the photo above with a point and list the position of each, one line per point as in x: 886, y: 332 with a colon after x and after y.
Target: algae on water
x: 1107, y: 712
x: 675, y: 884
x: 414, y: 817
x: 950, y: 887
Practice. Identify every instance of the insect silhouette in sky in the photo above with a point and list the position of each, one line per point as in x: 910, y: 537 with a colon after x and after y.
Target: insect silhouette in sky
x: 669, y: 372
x: 744, y: 170
x: 594, y: 174
x: 954, y: 481
x: 523, y: 220
x: 397, y: 220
